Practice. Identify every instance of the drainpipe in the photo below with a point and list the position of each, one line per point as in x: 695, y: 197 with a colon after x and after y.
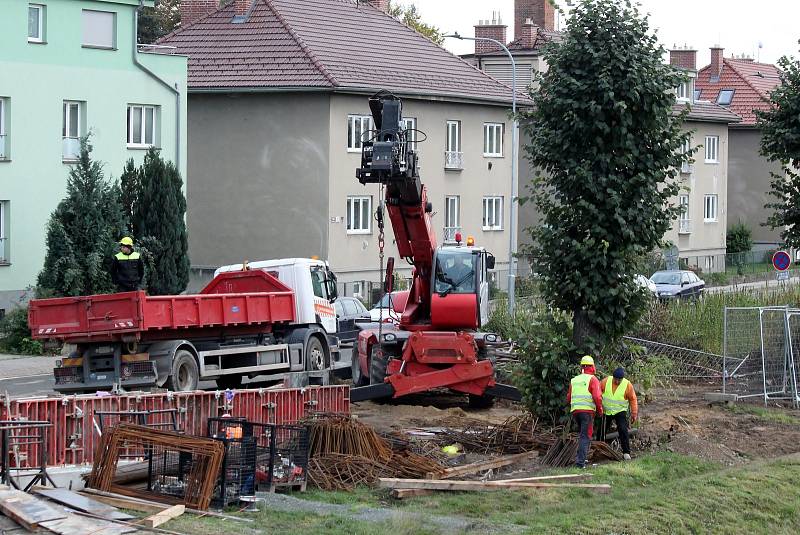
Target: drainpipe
x: 163, y: 82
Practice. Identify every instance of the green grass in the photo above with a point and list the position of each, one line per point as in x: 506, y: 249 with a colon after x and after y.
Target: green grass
x: 767, y: 414
x: 662, y: 493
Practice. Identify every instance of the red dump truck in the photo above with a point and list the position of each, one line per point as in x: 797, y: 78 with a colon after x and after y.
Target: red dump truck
x: 243, y: 324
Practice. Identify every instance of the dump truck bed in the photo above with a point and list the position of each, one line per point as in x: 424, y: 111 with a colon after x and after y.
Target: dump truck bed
x: 231, y: 301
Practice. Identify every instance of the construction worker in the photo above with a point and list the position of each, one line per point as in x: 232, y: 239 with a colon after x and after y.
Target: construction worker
x: 127, y: 268
x: 585, y: 399
x: 619, y: 400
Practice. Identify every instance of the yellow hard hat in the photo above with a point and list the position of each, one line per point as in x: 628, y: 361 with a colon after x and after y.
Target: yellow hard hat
x: 126, y: 241
x: 587, y: 361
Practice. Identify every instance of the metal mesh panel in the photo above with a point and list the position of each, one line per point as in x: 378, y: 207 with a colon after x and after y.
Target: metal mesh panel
x: 680, y: 362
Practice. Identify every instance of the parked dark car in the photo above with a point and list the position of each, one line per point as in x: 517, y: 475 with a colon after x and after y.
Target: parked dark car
x: 678, y: 285
x: 348, y: 310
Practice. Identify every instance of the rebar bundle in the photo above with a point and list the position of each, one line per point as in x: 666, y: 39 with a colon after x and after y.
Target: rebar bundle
x: 564, y: 450
x: 343, y: 435
x: 516, y: 434
x: 182, y: 469
x: 345, y: 472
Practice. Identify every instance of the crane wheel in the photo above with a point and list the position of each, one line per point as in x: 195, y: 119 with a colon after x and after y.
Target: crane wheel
x: 355, y: 368
x: 378, y: 361
x: 481, y: 402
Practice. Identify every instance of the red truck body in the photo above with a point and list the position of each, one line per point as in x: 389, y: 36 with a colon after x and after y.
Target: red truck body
x: 236, y: 301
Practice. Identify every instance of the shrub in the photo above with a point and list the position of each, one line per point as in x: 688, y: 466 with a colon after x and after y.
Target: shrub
x: 739, y: 239
x: 15, y: 336
x: 719, y: 278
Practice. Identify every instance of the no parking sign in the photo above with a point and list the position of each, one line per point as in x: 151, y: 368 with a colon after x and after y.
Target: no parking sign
x: 781, y: 261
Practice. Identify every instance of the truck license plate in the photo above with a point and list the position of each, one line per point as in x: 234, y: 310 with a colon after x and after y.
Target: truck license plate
x: 102, y: 377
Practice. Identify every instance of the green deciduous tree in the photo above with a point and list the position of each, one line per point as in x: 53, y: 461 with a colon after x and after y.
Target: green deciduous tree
x: 158, y: 209
x: 156, y: 22
x: 739, y: 239
x: 606, y: 144
x: 82, y: 233
x: 780, y: 143
x: 410, y: 16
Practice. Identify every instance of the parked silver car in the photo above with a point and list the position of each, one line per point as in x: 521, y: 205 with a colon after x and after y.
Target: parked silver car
x: 678, y: 284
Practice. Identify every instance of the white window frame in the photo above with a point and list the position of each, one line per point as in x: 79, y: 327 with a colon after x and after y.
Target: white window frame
x: 410, y: 125
x: 358, y: 289
x: 113, y: 45
x: 3, y: 238
x: 712, y: 149
x: 41, y: 9
x: 711, y: 208
x: 66, y: 126
x: 453, y: 142
x: 492, y: 213
x: 683, y: 201
x: 354, y: 143
x: 682, y: 91
x: 3, y: 148
x: 493, y: 140
x: 452, y: 217
x: 352, y: 202
x: 142, y: 110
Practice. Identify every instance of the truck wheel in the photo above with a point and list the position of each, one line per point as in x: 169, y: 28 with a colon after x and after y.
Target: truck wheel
x: 229, y: 382
x: 185, y: 374
x: 355, y: 367
x: 315, y: 355
x: 378, y: 361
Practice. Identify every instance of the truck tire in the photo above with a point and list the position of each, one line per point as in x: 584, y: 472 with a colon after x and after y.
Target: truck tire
x: 229, y: 382
x: 378, y: 361
x: 315, y: 356
x: 355, y: 367
x: 185, y: 374
x: 483, y: 402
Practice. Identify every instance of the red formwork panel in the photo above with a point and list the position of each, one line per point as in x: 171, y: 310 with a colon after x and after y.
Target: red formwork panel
x: 76, y: 431
x: 109, y: 317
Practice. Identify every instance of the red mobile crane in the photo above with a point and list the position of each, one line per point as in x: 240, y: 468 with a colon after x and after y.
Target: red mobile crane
x: 436, y: 343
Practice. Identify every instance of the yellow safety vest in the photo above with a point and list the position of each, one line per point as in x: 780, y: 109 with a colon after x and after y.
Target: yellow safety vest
x: 614, y: 402
x: 122, y: 256
x: 581, y: 399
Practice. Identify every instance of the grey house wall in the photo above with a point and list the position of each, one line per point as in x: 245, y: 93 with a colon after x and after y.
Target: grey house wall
x: 257, y: 174
x: 748, y: 186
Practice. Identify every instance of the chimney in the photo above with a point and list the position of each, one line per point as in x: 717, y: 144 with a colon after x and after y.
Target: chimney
x: 242, y: 7
x: 493, y: 29
x: 541, y: 12
x: 530, y: 31
x: 191, y: 10
x: 383, y: 5
x: 716, y: 62
x: 684, y: 58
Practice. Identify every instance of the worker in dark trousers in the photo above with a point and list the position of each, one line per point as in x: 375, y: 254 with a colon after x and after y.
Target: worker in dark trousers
x: 585, y: 399
x: 619, y: 400
x: 127, y: 268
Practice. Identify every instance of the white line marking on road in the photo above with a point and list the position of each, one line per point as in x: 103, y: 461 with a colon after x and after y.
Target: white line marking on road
x: 25, y: 376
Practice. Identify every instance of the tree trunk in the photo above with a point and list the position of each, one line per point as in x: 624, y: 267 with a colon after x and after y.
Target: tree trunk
x: 583, y: 331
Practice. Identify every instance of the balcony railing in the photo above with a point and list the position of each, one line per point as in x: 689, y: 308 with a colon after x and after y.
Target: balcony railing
x: 453, y: 160
x: 684, y: 226
x: 70, y: 148
x: 3, y: 250
x: 450, y: 234
x: 2, y: 146
x: 687, y: 168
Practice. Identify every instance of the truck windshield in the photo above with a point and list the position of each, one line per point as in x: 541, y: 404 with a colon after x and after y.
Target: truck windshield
x: 455, y: 271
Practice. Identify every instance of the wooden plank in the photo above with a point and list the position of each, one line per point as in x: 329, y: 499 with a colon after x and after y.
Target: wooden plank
x: 432, y: 484
x: 569, y: 477
x: 474, y: 468
x: 26, y: 510
x: 81, y: 502
x: 76, y: 525
x: 164, y: 516
x: 409, y: 493
x: 131, y: 505
x: 154, y: 507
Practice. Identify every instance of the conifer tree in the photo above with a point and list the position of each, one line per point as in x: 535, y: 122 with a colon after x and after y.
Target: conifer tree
x: 82, y: 233
x: 129, y: 189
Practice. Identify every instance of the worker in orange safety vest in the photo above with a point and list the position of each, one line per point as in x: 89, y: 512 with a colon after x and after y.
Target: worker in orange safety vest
x: 619, y: 401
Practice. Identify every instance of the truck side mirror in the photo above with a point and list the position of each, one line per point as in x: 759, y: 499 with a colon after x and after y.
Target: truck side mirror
x: 388, y: 282
x: 333, y: 291
x: 489, y: 261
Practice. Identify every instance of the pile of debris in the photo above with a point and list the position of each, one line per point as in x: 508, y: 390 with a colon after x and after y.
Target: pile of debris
x: 345, y: 453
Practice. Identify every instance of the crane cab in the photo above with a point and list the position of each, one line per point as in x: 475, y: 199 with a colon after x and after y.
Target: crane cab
x: 460, y: 287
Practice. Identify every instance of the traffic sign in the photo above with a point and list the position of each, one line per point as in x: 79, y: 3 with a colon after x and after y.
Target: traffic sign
x: 781, y: 260
x: 782, y: 276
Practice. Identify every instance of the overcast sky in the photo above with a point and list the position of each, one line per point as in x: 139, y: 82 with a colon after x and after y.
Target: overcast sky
x: 737, y: 25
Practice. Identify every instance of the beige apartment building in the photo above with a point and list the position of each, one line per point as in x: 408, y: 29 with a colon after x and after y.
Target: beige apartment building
x: 278, y: 110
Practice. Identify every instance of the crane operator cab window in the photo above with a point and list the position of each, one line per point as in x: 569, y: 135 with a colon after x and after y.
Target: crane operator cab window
x: 456, y: 272
x: 324, y: 284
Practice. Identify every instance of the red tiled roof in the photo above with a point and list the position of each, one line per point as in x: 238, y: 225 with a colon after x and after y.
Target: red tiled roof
x: 333, y: 44
x: 752, y: 83
x: 707, y: 112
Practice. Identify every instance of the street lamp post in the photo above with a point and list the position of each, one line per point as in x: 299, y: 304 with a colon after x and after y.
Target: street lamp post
x: 512, y: 250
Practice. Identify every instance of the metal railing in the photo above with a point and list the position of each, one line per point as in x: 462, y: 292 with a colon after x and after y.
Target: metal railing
x: 450, y: 234
x: 3, y: 251
x: 70, y: 148
x: 2, y: 146
x: 687, y: 168
x: 453, y: 160
x: 684, y: 226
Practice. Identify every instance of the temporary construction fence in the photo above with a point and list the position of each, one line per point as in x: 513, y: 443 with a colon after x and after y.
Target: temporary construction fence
x: 762, y: 350
x: 677, y: 362
x: 76, y: 425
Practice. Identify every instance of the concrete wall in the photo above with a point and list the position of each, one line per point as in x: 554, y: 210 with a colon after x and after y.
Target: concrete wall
x: 355, y: 256
x: 748, y: 186
x: 704, y: 238
x: 36, y: 78
x: 258, y: 177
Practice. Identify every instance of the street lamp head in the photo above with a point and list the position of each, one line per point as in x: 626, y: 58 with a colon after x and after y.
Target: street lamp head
x: 454, y: 35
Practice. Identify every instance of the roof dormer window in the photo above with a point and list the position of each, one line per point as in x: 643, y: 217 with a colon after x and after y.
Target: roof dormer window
x: 725, y: 97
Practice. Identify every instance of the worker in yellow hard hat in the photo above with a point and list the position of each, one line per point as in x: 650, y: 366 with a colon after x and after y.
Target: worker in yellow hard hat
x: 585, y: 398
x: 127, y: 268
